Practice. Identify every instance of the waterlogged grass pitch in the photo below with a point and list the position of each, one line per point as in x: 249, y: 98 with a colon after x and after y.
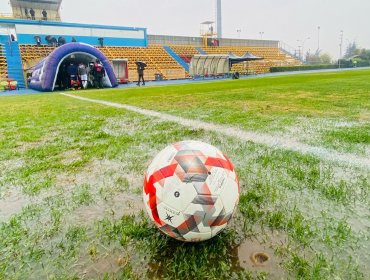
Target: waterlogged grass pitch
x: 71, y: 177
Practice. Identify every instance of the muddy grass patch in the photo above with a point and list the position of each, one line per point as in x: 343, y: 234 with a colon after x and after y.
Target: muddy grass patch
x: 257, y: 254
x: 122, y: 126
x: 71, y: 156
x: 331, y: 133
x: 96, y: 173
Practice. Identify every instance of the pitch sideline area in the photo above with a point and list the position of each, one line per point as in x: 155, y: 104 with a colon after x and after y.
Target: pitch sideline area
x: 258, y: 138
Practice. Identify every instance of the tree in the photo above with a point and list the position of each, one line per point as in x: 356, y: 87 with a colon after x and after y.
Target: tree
x: 351, y: 50
x: 364, y: 54
x: 318, y: 58
x: 325, y: 58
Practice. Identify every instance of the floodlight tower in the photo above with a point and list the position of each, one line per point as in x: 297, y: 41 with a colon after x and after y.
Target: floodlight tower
x: 218, y: 19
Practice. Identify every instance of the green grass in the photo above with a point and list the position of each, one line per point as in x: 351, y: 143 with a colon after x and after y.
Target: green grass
x: 71, y: 176
x: 273, y: 105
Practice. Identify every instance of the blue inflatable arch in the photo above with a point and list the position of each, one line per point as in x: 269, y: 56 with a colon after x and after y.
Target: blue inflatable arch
x: 45, y: 73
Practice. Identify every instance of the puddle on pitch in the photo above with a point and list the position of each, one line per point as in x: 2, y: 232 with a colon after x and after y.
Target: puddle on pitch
x: 120, y: 204
x: 12, y: 203
x: 259, y: 256
x: 109, y: 259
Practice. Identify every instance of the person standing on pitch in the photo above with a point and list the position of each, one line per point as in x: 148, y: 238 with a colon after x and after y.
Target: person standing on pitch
x: 140, y: 72
x: 82, y: 73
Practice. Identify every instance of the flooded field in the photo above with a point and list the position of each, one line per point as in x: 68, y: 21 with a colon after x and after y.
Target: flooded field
x: 71, y: 183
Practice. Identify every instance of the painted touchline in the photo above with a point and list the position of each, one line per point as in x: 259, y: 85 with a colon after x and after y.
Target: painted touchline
x: 276, y: 142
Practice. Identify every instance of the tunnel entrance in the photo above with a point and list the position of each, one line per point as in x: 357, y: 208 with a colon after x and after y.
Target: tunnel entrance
x: 50, y: 73
x: 62, y: 78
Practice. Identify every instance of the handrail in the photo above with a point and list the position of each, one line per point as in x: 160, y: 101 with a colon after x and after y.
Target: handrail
x: 286, y: 47
x: 37, y: 18
x: 6, y: 15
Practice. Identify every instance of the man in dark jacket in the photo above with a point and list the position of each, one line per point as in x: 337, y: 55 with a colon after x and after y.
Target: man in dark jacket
x: 32, y: 13
x: 140, y: 72
x: 99, y: 73
x: 26, y: 13
x: 44, y: 15
x: 38, y: 40
x: 72, y: 74
x: 61, y: 41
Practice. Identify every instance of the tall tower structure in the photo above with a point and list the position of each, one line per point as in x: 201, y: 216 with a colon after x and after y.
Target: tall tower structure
x: 218, y: 19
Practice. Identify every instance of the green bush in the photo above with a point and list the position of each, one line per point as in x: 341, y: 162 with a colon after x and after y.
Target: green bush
x: 303, y: 67
x: 362, y: 63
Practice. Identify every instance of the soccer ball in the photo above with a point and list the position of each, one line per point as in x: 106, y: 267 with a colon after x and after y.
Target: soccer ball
x: 191, y: 191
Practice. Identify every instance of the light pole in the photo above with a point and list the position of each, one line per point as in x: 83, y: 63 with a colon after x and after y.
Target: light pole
x: 261, y: 34
x: 304, y: 41
x: 340, y: 44
x: 238, y: 31
x: 318, y: 38
x: 299, y: 51
x: 340, y: 47
x: 301, y: 47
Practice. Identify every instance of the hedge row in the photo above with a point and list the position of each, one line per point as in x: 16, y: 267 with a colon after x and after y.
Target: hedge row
x: 343, y: 64
x: 303, y: 67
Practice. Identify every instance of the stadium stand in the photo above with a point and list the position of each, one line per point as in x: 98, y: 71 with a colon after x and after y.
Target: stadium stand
x: 3, y: 64
x: 272, y: 57
x: 160, y: 62
x: 32, y: 52
x: 157, y: 59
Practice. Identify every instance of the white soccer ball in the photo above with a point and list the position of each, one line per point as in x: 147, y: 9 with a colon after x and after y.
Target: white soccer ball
x: 191, y: 191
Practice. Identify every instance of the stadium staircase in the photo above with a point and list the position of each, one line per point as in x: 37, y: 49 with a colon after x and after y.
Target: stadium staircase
x: 177, y: 58
x: 289, y: 54
x: 14, y: 63
x: 186, y: 52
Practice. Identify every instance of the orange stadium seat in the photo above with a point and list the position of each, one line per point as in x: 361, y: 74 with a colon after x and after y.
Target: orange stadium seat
x: 3, y: 68
x: 272, y: 57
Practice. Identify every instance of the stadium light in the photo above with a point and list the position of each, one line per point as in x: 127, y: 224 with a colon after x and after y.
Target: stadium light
x: 318, y: 38
x: 301, y: 47
x: 340, y: 44
x: 340, y: 47
x: 238, y: 31
x: 261, y: 34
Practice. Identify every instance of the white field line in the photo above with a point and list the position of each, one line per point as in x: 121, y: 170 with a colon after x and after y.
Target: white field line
x: 275, y: 142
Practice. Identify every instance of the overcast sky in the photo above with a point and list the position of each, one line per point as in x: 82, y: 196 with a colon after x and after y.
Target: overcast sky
x: 283, y: 20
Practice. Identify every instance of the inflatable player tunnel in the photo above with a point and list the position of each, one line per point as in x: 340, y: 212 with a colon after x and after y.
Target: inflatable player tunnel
x: 45, y: 73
